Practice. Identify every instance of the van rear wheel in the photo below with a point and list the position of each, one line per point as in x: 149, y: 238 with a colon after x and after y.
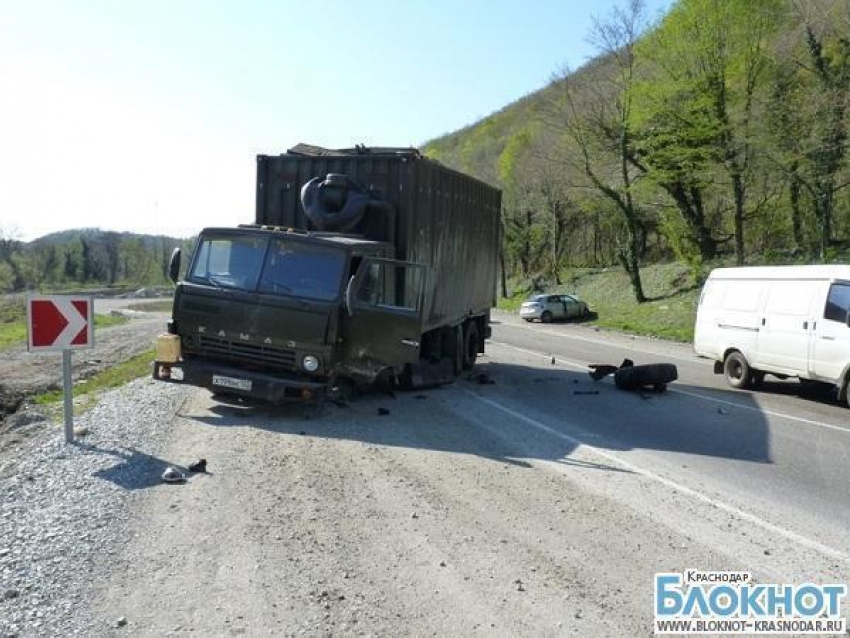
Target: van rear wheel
x: 737, y: 370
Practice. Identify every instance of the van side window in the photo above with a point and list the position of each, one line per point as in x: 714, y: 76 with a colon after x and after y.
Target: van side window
x: 838, y: 303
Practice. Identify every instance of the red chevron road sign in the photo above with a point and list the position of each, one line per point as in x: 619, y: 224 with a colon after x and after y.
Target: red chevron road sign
x: 59, y: 322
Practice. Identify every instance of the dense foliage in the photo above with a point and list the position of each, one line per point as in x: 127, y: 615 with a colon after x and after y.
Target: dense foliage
x: 85, y: 257
x: 719, y: 130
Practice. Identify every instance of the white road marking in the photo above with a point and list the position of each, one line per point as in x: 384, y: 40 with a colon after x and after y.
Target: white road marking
x: 562, y: 335
x: 704, y: 397
x: 791, y: 535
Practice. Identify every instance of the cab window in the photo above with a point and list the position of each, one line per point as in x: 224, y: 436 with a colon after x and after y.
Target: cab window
x: 837, y: 303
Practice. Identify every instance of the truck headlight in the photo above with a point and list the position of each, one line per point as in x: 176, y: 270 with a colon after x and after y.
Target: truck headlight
x: 310, y: 363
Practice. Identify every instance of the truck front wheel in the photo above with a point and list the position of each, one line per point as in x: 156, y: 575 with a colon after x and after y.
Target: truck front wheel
x: 470, y: 345
x: 737, y: 370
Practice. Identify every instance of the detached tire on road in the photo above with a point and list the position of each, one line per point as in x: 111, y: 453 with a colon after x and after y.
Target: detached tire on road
x: 654, y: 375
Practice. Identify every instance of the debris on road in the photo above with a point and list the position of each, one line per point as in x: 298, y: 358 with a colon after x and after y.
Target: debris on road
x: 173, y: 475
x: 199, y: 466
x: 585, y: 391
x: 482, y: 378
x: 383, y: 412
x: 599, y: 371
x: 632, y: 378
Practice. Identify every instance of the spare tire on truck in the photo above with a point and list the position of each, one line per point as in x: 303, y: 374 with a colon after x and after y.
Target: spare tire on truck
x: 654, y: 375
x: 334, y: 203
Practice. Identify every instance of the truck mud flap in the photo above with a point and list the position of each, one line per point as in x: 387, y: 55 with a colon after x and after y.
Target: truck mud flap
x: 424, y: 374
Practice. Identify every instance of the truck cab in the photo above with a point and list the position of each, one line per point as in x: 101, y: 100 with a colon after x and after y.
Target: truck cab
x: 282, y: 314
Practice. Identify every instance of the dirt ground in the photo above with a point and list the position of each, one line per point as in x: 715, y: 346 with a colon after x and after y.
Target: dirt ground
x: 23, y: 373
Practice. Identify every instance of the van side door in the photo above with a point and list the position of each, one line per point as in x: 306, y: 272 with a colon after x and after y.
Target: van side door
x: 831, y: 335
x: 385, y: 303
x: 786, y: 322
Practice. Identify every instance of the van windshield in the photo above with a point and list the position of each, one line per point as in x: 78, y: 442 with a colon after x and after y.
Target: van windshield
x: 276, y: 266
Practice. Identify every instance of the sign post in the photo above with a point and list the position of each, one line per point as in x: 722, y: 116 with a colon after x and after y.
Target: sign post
x: 61, y: 323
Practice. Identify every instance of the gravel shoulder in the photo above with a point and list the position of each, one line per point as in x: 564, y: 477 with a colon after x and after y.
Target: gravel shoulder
x: 63, y: 507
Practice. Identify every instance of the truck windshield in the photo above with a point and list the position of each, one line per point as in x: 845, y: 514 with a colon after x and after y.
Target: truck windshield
x: 230, y: 261
x: 281, y: 267
x: 302, y: 270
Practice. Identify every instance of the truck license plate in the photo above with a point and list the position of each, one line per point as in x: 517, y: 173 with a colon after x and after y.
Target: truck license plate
x: 230, y: 382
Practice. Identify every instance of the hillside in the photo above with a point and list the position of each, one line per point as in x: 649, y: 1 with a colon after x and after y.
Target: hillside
x: 88, y: 257
x: 719, y: 132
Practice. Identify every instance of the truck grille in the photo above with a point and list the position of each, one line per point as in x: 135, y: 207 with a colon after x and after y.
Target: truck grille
x: 224, y: 348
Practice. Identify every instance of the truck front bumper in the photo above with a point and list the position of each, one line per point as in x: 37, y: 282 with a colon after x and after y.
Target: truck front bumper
x: 222, y: 378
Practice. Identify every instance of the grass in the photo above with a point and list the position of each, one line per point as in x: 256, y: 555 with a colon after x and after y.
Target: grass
x: 86, y: 391
x: 670, y: 314
x: 13, y: 324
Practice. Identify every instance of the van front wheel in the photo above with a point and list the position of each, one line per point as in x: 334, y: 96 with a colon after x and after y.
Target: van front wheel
x: 737, y: 370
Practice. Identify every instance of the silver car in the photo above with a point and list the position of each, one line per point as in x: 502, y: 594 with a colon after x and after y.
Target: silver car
x: 547, y: 308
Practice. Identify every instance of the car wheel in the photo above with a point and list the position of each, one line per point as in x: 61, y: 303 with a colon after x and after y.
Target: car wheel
x: 546, y: 317
x: 737, y: 370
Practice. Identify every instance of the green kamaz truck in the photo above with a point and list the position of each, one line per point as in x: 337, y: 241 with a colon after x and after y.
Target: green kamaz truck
x: 363, y: 265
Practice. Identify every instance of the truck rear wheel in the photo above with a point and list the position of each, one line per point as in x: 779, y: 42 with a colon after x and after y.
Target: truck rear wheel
x: 737, y: 370
x: 470, y: 345
x: 451, y: 346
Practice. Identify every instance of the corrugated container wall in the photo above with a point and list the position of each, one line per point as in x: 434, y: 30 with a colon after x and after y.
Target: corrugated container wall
x: 438, y: 217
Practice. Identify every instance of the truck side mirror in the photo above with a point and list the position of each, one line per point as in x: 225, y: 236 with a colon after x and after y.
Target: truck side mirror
x: 174, y: 266
x: 349, y: 297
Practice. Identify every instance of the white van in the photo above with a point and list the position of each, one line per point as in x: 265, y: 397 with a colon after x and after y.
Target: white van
x: 789, y: 321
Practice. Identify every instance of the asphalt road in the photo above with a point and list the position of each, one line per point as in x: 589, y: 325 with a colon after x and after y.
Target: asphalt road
x: 780, y: 452
x: 529, y: 506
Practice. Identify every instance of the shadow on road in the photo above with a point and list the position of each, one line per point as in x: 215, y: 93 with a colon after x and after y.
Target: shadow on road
x: 568, y: 405
x: 135, y: 470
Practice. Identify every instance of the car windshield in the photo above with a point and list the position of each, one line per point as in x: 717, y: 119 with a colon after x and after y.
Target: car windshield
x: 279, y: 266
x: 302, y: 270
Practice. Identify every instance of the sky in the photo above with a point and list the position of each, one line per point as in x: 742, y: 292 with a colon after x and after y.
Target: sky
x: 147, y: 115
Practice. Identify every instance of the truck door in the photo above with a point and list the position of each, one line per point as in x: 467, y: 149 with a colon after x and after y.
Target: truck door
x: 385, y: 303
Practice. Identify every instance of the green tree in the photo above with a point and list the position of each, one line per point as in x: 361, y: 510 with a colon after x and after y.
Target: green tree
x: 594, y: 112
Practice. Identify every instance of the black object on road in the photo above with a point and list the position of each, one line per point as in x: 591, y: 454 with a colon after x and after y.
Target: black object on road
x: 628, y: 376
x: 383, y: 412
x: 654, y: 375
x: 199, y: 466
